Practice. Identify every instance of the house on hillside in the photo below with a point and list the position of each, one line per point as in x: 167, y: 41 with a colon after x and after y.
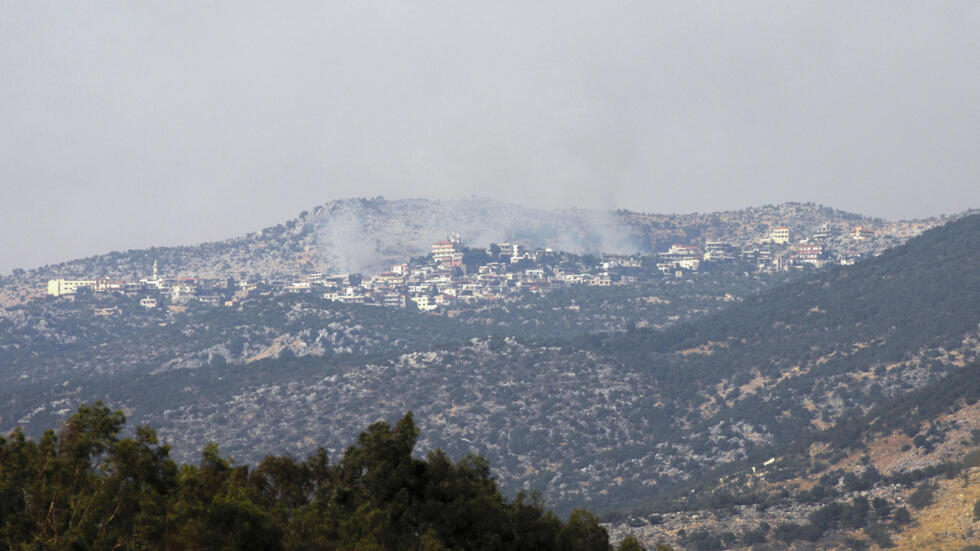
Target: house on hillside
x: 860, y: 233
x: 779, y: 235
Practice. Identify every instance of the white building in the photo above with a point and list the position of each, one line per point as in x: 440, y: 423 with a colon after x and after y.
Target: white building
x: 426, y: 303
x: 718, y: 251
x: 779, y: 235
x: 449, y: 251
x: 862, y: 232
x: 59, y: 287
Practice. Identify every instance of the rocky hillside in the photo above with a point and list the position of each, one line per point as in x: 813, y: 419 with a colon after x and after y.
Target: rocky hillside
x: 366, y: 235
x: 906, y: 474
x: 53, y: 338
x: 608, y: 421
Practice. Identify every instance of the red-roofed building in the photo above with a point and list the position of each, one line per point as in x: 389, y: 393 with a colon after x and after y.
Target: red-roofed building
x: 862, y: 232
x: 449, y: 252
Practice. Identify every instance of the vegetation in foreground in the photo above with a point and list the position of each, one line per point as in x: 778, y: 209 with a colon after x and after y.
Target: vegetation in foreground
x: 86, y: 487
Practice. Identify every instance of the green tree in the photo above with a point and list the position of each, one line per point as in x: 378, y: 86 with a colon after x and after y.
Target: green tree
x: 583, y: 532
x: 630, y: 543
x: 86, y: 488
x: 83, y: 487
x: 216, y: 508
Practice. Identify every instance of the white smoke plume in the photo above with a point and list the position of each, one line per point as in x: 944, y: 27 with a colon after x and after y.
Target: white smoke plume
x: 369, y: 235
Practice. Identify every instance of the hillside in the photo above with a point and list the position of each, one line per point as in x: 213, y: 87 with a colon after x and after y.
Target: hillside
x: 66, y: 335
x: 367, y: 235
x: 904, y: 474
x: 949, y: 521
x: 612, y: 422
x: 808, y: 352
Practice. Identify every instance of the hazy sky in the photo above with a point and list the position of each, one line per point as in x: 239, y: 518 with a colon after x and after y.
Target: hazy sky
x: 132, y: 124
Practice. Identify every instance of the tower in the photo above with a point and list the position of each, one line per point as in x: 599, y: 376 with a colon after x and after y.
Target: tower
x: 155, y: 277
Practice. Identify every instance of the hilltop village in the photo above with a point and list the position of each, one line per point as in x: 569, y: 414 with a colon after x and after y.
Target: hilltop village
x: 454, y: 274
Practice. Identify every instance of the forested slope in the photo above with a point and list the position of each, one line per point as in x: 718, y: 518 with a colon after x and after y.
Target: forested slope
x: 607, y: 421
x: 623, y: 419
x: 805, y: 353
x: 907, y: 473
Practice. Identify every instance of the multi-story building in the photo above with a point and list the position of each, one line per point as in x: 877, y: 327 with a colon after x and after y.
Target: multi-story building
x: 823, y: 233
x: 680, y: 252
x: 425, y: 303
x: 448, y: 252
x: 762, y: 258
x: 394, y: 300
x: 679, y: 256
x: 860, y: 233
x: 59, y: 287
x: 779, y: 235
x: 718, y: 251
x: 809, y: 253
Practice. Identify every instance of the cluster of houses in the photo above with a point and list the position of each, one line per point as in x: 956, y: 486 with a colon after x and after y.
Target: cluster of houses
x: 779, y: 250
x: 151, y: 290
x: 444, y: 279
x: 448, y: 276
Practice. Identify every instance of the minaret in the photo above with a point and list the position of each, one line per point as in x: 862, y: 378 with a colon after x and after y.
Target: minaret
x: 155, y: 277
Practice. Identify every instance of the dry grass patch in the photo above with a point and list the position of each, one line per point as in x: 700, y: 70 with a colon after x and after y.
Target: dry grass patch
x: 948, y: 522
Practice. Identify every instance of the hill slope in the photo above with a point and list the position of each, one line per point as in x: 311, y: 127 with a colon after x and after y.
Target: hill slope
x: 608, y: 421
x: 371, y: 234
x: 906, y: 472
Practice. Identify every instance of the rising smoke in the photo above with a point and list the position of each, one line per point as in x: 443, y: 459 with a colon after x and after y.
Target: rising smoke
x: 367, y: 236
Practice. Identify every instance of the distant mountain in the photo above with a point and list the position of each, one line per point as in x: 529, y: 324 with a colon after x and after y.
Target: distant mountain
x: 366, y: 235
x: 610, y: 421
x: 621, y: 419
x: 356, y: 235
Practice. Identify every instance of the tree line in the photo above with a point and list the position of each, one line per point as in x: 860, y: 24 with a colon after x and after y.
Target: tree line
x: 86, y: 486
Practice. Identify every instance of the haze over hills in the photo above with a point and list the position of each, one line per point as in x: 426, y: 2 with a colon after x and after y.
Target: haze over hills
x: 362, y: 235
x: 606, y: 422
x: 750, y: 402
x: 355, y: 235
x: 379, y: 276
